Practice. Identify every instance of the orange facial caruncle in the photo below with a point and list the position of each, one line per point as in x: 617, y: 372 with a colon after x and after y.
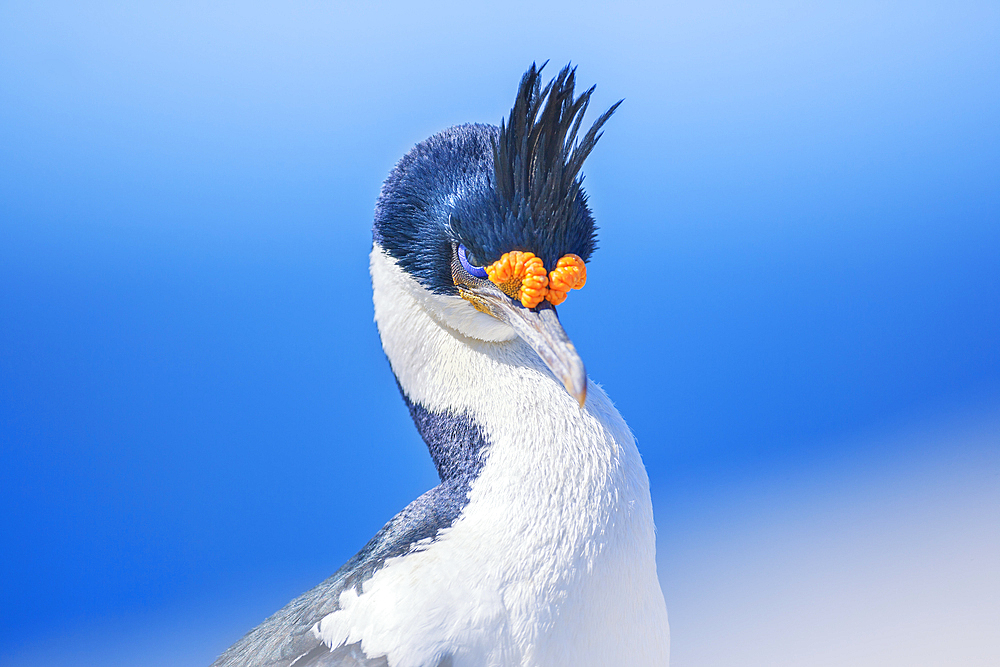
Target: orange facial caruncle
x: 522, y: 276
x: 570, y: 273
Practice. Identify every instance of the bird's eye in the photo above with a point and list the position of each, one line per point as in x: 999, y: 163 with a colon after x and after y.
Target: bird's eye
x: 468, y: 263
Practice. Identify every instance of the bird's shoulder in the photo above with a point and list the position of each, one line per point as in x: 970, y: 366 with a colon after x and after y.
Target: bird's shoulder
x: 286, y: 638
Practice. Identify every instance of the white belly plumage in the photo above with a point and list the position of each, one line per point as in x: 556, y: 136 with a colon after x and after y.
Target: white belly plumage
x: 552, y: 561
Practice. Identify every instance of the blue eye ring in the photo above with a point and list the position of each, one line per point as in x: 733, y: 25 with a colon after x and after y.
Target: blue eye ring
x: 477, y: 271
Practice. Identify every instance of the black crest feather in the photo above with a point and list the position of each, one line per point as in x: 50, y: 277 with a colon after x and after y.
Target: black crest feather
x: 537, y: 161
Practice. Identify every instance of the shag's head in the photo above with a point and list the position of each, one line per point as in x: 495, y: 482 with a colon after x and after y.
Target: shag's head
x: 493, y: 224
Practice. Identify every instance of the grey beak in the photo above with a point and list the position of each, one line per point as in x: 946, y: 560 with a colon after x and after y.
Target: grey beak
x: 539, y: 328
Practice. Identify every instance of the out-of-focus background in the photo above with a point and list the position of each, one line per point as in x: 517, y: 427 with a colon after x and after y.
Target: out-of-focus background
x: 796, y: 307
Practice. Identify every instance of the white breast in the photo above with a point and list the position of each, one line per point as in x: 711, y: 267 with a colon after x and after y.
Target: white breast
x: 552, y: 562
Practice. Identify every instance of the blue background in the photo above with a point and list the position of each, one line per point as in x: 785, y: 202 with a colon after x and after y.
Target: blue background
x: 796, y: 307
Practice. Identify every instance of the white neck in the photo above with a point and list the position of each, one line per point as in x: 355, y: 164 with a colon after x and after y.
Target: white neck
x: 553, y: 559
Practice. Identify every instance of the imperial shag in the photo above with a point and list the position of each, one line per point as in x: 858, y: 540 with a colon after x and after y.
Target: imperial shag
x: 537, y: 547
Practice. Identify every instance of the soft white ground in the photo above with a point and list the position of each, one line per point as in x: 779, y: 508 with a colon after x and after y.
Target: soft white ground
x: 884, y: 563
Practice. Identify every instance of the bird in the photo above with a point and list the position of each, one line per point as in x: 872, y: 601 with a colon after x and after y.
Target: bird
x: 537, y: 547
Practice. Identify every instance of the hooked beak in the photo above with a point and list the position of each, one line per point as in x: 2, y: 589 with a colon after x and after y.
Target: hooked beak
x: 539, y: 327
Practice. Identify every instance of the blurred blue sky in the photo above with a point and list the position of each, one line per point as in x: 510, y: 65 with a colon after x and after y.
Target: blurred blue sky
x: 799, y: 203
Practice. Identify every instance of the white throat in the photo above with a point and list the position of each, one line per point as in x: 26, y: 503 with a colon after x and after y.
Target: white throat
x: 552, y: 561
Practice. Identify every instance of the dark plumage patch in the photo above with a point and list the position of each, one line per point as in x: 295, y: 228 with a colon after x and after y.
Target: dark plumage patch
x: 457, y: 443
x: 516, y: 187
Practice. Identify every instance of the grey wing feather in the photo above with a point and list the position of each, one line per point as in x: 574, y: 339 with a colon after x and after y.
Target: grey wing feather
x: 286, y: 638
x: 350, y: 655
